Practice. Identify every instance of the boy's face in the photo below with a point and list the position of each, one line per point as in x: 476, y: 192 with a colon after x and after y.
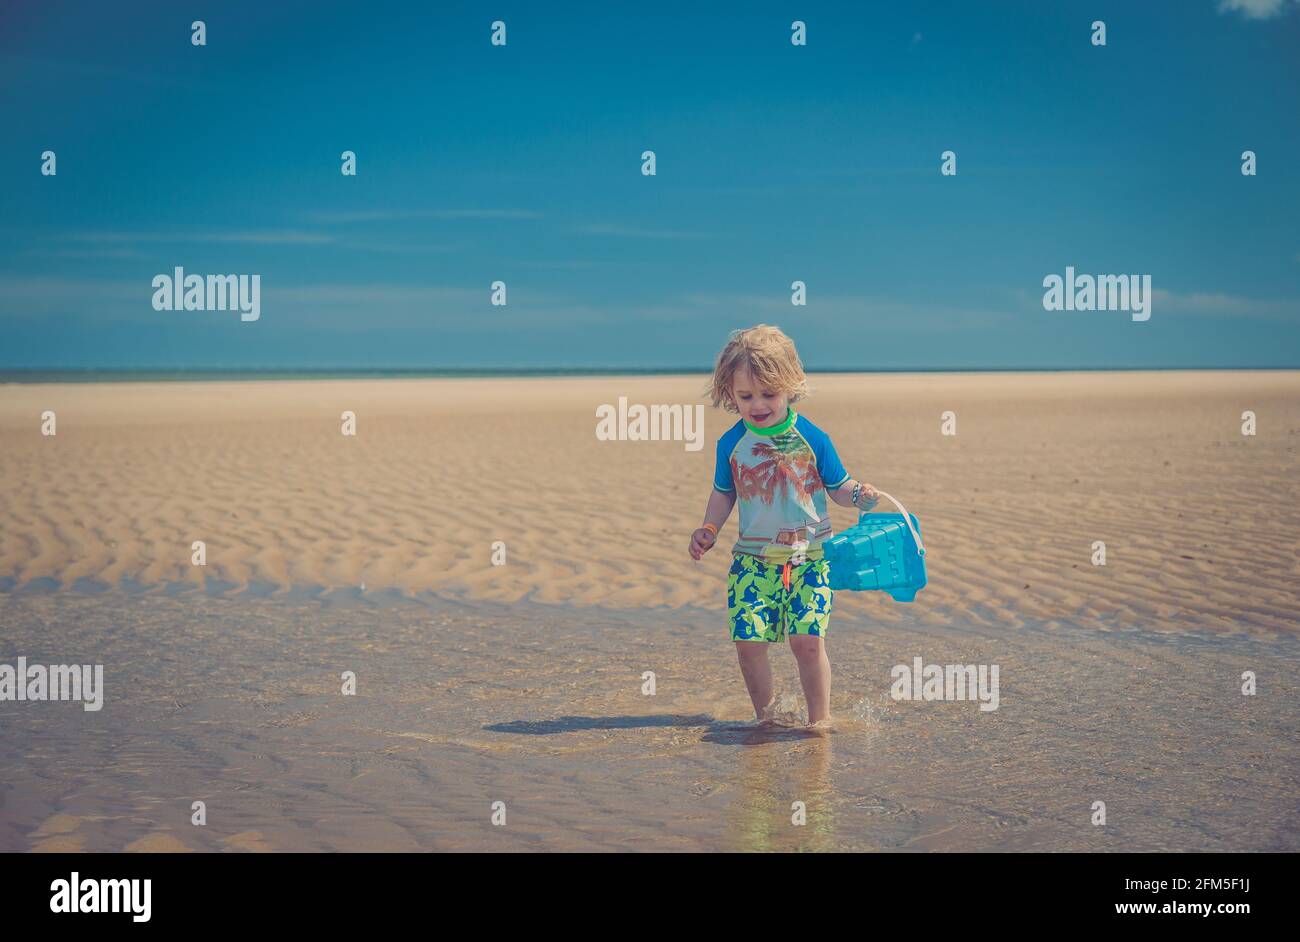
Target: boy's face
x: 759, y: 406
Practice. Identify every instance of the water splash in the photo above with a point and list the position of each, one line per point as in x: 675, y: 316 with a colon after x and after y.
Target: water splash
x: 866, y: 714
x: 785, y: 710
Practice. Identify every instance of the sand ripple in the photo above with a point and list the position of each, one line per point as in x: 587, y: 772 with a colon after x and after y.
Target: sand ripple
x: 1201, y: 524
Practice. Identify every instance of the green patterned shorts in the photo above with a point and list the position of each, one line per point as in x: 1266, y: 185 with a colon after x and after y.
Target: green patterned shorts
x: 761, y: 608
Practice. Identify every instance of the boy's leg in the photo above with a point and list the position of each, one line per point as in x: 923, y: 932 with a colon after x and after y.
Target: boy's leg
x: 810, y: 601
x: 754, y: 614
x: 757, y: 671
x: 814, y: 674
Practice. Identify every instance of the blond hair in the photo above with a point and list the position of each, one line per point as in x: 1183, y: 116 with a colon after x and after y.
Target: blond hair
x: 772, y: 360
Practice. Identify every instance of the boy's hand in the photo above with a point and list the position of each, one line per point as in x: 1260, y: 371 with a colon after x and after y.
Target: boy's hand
x: 868, y: 497
x: 702, y: 541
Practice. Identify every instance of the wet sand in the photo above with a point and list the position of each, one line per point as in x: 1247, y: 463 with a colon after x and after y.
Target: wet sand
x: 237, y: 702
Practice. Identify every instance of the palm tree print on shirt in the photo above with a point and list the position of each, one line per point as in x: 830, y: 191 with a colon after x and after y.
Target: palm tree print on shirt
x: 792, y: 473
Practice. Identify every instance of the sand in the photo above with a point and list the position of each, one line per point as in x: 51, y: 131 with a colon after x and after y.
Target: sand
x: 1200, y: 522
x: 523, y: 683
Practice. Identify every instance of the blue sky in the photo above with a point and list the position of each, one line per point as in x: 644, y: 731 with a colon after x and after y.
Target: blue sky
x: 522, y: 163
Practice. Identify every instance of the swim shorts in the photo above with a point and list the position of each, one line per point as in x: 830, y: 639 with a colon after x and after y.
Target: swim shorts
x: 765, y: 600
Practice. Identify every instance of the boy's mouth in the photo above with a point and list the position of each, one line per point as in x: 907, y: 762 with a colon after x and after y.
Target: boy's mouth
x: 760, y: 418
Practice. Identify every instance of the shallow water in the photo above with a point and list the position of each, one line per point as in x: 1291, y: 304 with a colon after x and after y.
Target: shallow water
x: 236, y: 702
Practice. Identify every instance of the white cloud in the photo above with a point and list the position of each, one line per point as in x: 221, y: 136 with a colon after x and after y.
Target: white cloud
x: 404, y: 248
x: 68, y: 303
x: 1217, y: 304
x: 124, y: 242
x: 1256, y: 9
x: 58, y: 302
x: 263, y: 236
x: 85, y: 253
x: 636, y: 232
x: 387, y: 215
x: 906, y: 316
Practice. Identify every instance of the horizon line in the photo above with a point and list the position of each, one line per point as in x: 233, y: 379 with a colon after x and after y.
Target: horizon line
x: 125, y: 374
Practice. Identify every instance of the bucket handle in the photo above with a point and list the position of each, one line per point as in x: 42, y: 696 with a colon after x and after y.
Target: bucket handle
x: 907, y: 519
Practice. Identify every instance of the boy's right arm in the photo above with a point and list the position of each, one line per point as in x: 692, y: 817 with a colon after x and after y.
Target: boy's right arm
x: 716, y: 513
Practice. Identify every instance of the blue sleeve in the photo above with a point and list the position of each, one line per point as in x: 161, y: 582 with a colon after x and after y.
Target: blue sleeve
x: 828, y: 460
x: 722, y: 470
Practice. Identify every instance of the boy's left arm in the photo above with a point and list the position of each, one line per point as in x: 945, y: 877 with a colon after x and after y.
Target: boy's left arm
x: 843, y: 495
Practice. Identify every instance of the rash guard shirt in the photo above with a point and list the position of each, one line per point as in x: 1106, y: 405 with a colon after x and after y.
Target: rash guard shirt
x: 780, y: 476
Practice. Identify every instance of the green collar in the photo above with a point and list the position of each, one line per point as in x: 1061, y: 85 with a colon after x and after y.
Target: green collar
x: 773, y: 429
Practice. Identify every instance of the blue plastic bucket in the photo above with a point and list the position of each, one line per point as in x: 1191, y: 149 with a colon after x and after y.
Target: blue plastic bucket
x: 882, y: 551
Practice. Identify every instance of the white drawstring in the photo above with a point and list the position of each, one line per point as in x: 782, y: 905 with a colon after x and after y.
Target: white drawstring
x: 906, y: 519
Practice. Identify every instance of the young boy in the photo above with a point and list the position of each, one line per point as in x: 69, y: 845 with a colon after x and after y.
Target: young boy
x: 781, y: 467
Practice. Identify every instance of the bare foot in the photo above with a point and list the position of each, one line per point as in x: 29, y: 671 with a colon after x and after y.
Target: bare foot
x: 825, y: 725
